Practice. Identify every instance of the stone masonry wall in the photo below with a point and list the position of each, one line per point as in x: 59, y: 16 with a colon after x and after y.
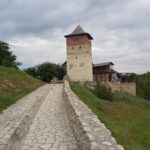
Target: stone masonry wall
x: 124, y: 87
x: 89, y: 132
x: 121, y: 87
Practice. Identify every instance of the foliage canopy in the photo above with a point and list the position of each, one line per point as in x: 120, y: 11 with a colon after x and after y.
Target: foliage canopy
x: 46, y: 71
x: 143, y: 85
x: 7, y: 58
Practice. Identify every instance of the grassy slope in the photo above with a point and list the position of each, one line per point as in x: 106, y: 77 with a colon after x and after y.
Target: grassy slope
x: 128, y: 117
x: 15, y: 84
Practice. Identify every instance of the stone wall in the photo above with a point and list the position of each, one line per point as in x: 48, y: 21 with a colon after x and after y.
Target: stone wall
x: 89, y: 132
x: 122, y: 87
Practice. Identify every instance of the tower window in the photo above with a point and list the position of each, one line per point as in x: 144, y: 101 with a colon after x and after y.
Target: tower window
x: 72, y: 47
x: 80, y: 47
x: 76, y: 57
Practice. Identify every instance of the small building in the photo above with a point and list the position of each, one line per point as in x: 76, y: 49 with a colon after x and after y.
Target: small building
x: 103, y: 71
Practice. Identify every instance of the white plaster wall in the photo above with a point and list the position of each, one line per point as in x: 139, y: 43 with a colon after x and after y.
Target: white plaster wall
x: 79, y: 63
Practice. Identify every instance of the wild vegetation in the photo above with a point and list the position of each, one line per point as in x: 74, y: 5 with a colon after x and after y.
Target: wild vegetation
x: 126, y: 116
x: 7, y: 58
x: 15, y: 84
x: 102, y: 92
x: 143, y: 85
x: 46, y: 71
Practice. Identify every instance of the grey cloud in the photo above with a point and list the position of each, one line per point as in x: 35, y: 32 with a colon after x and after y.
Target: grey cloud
x: 35, y: 17
x: 121, y: 29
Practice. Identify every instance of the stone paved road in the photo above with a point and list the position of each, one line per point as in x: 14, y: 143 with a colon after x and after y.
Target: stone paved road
x: 50, y: 129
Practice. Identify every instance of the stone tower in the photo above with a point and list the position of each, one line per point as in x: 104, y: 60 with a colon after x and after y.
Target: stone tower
x: 79, y: 55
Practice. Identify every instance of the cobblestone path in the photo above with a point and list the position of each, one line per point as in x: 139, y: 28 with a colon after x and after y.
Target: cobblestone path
x: 50, y: 129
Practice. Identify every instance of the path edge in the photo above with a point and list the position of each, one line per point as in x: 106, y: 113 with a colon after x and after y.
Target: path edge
x: 89, y: 132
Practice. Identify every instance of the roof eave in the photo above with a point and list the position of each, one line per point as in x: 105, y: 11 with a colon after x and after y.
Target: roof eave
x: 71, y: 35
x: 103, y: 64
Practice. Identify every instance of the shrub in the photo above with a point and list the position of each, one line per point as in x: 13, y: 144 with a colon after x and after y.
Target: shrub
x: 103, y: 92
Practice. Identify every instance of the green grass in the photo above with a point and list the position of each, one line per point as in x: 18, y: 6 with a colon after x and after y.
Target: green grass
x: 128, y: 117
x: 15, y: 84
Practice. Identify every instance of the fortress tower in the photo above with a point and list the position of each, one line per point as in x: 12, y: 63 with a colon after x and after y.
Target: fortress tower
x: 79, y: 55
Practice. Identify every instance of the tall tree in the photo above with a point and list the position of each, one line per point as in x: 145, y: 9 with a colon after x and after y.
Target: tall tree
x: 46, y: 71
x: 7, y: 58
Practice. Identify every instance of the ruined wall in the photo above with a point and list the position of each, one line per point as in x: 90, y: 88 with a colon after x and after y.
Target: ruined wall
x: 89, y: 132
x: 122, y: 87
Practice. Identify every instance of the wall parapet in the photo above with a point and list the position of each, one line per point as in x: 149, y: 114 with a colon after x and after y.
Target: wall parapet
x: 89, y: 132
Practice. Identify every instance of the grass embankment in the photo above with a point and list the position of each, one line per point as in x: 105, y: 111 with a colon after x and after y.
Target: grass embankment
x: 128, y: 117
x: 15, y: 84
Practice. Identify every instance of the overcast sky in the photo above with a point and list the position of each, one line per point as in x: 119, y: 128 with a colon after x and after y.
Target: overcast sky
x: 35, y: 30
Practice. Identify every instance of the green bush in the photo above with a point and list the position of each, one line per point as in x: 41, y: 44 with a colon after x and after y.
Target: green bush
x: 103, y: 92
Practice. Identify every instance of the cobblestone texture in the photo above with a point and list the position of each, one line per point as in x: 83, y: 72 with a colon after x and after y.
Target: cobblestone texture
x: 16, y: 120
x: 47, y: 120
x: 50, y: 129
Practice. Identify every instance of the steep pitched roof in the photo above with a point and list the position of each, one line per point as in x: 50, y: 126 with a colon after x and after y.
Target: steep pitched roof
x: 79, y: 31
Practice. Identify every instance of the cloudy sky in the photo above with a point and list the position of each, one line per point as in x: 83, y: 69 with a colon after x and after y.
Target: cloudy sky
x: 35, y: 30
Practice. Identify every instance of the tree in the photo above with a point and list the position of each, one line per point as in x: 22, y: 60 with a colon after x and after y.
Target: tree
x: 143, y: 85
x: 7, y: 58
x: 33, y: 71
x: 61, y: 71
x: 46, y: 71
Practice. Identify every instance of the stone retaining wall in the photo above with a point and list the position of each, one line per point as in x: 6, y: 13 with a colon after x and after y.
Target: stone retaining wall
x: 89, y: 132
x: 121, y: 87
x: 16, y: 120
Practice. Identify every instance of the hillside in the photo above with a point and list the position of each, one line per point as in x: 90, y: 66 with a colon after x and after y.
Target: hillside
x: 15, y: 84
x: 126, y: 116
